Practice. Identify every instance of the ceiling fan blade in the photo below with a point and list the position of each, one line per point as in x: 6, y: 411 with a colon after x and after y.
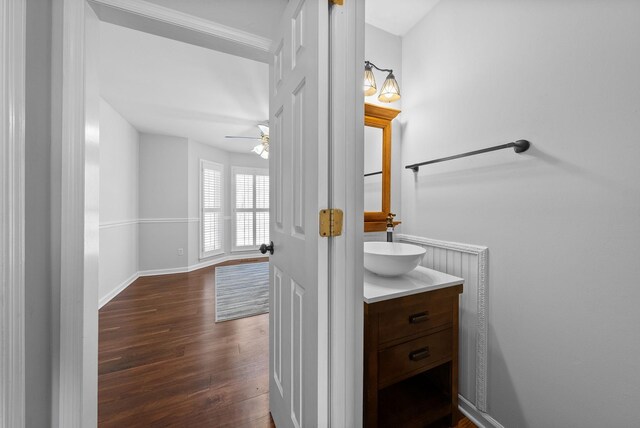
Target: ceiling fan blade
x: 239, y: 137
x: 264, y: 129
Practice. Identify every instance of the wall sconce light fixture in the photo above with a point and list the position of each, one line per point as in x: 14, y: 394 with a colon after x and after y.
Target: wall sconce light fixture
x: 390, y: 91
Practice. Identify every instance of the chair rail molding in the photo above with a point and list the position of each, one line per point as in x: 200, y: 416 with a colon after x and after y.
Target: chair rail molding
x: 481, y: 334
x: 12, y: 214
x: 169, y: 220
x: 137, y: 221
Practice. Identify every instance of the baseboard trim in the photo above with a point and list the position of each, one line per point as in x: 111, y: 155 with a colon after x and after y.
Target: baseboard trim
x: 120, y: 288
x: 479, y: 418
x: 169, y: 271
x: 214, y: 261
x: 154, y: 272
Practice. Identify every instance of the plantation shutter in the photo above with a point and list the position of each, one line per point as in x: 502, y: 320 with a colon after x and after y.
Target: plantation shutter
x: 262, y: 209
x: 211, y: 209
x: 251, y: 207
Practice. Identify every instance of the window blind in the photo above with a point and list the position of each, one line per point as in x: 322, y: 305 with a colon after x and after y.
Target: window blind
x: 211, y: 175
x: 251, y: 207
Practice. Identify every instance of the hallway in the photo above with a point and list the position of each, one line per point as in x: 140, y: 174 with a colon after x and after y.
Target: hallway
x: 163, y: 361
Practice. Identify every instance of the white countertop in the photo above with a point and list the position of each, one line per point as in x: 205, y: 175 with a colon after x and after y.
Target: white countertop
x: 421, y: 279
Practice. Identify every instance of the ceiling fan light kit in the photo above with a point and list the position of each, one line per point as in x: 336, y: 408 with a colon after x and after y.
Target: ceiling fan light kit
x: 261, y: 149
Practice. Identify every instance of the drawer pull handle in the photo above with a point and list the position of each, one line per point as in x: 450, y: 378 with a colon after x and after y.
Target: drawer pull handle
x: 419, y: 354
x: 420, y: 317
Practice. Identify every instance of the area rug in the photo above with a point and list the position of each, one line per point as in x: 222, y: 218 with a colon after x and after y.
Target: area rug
x: 242, y: 291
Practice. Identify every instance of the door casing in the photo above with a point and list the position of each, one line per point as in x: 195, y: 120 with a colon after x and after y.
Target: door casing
x: 75, y: 383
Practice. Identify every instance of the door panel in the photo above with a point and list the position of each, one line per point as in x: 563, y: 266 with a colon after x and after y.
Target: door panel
x: 298, y: 168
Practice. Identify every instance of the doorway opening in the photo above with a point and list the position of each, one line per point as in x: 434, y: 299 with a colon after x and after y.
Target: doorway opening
x: 184, y: 208
x: 321, y: 364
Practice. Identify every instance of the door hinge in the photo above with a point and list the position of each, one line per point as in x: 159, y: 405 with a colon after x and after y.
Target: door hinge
x: 337, y: 2
x: 330, y: 222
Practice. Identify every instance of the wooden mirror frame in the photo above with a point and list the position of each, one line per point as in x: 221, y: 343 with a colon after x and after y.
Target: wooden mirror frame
x: 381, y: 117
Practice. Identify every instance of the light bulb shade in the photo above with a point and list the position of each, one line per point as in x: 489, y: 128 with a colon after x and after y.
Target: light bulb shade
x: 262, y: 149
x: 390, y: 91
x: 369, y: 85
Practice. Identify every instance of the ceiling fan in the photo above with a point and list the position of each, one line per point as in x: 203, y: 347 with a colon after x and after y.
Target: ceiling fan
x: 261, y: 149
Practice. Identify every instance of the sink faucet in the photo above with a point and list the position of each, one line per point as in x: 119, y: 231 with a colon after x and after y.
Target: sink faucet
x: 390, y: 226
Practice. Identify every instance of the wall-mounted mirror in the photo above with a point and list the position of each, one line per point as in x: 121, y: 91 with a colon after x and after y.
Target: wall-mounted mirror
x: 377, y: 166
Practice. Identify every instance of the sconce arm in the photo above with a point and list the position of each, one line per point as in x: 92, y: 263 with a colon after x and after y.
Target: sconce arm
x: 387, y: 70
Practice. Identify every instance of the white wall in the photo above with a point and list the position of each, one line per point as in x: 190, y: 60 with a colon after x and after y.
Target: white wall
x: 163, y: 197
x: 562, y: 221
x: 119, y: 148
x: 385, y: 50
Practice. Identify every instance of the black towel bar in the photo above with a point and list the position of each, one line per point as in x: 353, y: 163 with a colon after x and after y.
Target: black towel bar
x: 518, y: 146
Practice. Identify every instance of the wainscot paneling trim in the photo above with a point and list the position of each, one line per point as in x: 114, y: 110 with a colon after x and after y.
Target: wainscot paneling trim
x: 190, y: 22
x: 482, y: 324
x: 12, y: 204
x: 479, y: 418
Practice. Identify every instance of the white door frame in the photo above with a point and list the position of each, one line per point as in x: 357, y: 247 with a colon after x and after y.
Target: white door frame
x: 346, y: 118
x: 76, y: 394
x: 12, y: 212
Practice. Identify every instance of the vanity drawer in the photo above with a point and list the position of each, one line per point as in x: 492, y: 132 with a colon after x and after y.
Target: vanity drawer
x: 399, y: 361
x: 414, y: 316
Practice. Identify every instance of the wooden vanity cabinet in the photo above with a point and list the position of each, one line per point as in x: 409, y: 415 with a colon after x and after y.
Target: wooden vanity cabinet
x: 411, y: 360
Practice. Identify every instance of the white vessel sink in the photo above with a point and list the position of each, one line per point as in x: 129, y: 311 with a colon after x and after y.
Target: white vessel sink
x: 391, y: 258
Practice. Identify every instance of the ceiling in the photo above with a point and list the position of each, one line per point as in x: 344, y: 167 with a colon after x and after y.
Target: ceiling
x: 397, y: 17
x: 168, y: 87
x: 164, y: 86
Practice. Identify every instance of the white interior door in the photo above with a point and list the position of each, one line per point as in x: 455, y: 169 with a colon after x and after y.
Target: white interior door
x: 298, y: 170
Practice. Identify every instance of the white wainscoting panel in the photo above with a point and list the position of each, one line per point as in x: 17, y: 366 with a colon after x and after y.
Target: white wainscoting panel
x: 471, y: 263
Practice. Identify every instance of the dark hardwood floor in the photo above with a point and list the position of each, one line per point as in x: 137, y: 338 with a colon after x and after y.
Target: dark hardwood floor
x: 164, y: 362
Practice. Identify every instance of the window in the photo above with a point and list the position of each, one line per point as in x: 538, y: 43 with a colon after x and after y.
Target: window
x: 211, y: 215
x: 251, y: 207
